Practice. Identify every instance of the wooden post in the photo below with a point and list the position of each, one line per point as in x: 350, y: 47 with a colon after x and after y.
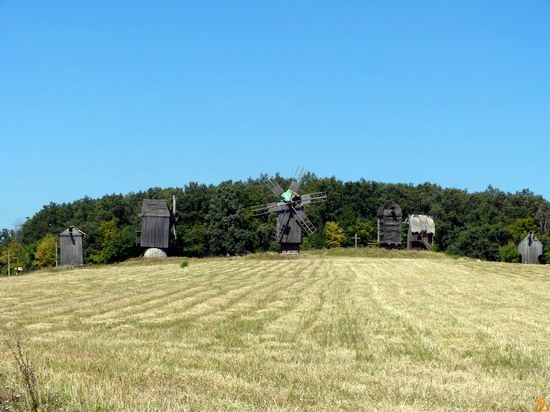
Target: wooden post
x: 356, y: 238
x: 56, y: 253
x: 9, y: 267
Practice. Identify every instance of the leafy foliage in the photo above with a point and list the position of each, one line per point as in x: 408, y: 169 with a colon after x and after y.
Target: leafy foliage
x: 227, y: 223
x: 509, y: 253
x: 13, y: 253
x: 216, y: 220
x: 334, y: 235
x: 45, y: 254
x: 365, y: 230
x: 114, y: 243
x: 481, y: 242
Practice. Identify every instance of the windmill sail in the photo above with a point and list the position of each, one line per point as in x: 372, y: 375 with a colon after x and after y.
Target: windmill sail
x: 174, y: 216
x: 273, y: 186
x: 295, y: 185
x: 317, y: 197
x: 304, y: 221
x: 268, y: 208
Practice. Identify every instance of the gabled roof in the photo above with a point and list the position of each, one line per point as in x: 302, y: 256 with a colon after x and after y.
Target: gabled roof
x: 421, y: 223
x: 72, y: 230
x: 156, y: 208
x: 530, y: 241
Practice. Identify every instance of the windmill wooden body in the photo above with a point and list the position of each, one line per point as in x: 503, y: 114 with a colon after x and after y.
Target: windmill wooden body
x: 156, y: 221
x: 389, y: 224
x: 291, y: 218
x: 530, y: 249
x: 70, y: 242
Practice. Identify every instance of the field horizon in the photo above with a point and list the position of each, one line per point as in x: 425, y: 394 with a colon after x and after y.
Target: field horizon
x: 334, y: 330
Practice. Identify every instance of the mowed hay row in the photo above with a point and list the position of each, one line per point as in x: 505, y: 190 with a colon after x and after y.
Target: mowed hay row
x: 330, y: 333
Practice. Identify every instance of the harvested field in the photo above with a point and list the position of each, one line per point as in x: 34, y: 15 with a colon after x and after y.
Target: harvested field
x: 314, y: 332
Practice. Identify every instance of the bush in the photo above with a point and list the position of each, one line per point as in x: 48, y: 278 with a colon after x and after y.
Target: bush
x: 184, y: 264
x: 334, y: 235
x: 509, y: 253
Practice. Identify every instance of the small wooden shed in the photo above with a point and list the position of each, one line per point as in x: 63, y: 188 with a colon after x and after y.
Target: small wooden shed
x: 70, y: 243
x: 155, y: 224
x: 389, y: 224
x: 530, y: 249
x: 421, y: 232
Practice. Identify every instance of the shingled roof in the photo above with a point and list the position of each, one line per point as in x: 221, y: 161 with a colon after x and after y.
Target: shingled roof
x: 388, y: 205
x: 152, y: 207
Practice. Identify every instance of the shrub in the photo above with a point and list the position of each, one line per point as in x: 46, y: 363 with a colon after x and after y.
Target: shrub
x: 509, y: 253
x: 184, y: 264
x: 334, y: 235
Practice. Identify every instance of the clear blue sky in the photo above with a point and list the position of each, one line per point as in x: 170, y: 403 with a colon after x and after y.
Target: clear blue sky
x: 101, y: 97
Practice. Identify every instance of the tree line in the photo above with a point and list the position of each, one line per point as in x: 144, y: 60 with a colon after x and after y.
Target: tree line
x: 216, y: 220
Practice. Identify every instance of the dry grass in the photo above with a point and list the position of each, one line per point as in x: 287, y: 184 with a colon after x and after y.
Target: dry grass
x: 314, y: 333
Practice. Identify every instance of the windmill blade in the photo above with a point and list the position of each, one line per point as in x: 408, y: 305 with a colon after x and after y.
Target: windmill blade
x: 260, y: 209
x: 304, y: 221
x: 268, y: 208
x: 174, y: 216
x: 277, y: 207
x: 316, y: 197
x: 295, y: 185
x: 275, y: 188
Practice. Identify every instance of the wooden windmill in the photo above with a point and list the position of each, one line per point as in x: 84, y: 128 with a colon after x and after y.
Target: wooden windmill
x: 291, y: 219
x: 156, y: 222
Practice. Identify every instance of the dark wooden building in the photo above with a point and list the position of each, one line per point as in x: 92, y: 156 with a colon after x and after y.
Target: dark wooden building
x: 421, y: 232
x: 289, y: 230
x: 70, y: 243
x: 530, y: 249
x: 155, y: 224
x: 390, y: 219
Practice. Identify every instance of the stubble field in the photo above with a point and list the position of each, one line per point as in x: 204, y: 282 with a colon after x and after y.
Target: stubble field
x: 317, y: 332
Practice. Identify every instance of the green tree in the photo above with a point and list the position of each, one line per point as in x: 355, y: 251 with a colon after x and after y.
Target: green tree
x: 107, y: 232
x: 334, y: 235
x: 45, y: 255
x: 193, y: 239
x: 481, y: 242
x: 114, y: 243
x: 365, y: 230
x: 509, y: 253
x: 520, y: 228
x: 12, y: 253
x: 228, y: 222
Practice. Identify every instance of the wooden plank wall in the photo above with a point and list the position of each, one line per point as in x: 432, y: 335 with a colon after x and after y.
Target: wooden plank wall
x: 71, y: 250
x: 530, y: 254
x: 155, y: 231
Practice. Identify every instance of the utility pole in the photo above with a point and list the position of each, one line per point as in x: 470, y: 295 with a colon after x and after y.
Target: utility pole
x: 356, y: 238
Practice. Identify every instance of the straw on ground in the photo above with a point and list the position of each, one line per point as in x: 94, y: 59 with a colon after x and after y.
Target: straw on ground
x: 313, y: 333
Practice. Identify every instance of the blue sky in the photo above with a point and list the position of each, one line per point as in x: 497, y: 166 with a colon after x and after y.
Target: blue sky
x: 104, y: 97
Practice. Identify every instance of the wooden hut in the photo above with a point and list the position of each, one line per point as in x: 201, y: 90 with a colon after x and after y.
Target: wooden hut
x: 421, y: 232
x: 70, y: 242
x: 155, y: 224
x: 530, y: 249
x: 389, y: 224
